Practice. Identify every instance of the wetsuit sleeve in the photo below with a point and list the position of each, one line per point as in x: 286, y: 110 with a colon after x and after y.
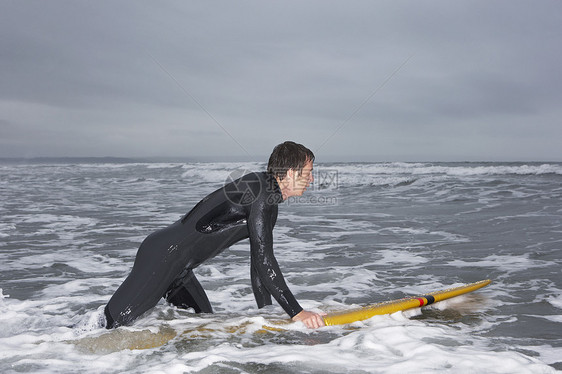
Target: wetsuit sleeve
x: 262, y: 295
x: 264, y: 264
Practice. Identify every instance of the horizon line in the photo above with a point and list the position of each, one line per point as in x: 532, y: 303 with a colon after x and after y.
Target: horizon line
x: 226, y: 159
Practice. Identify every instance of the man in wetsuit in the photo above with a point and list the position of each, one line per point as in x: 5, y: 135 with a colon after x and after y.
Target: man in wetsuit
x: 244, y: 208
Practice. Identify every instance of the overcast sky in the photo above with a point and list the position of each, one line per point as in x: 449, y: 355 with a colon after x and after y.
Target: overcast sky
x: 352, y: 80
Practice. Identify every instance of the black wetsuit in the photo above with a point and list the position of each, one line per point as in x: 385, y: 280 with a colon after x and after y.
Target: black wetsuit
x: 163, y: 266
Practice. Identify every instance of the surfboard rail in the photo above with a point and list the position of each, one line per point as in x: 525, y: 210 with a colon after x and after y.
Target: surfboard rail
x: 392, y: 306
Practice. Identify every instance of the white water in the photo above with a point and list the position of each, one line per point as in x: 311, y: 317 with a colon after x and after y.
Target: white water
x: 69, y: 233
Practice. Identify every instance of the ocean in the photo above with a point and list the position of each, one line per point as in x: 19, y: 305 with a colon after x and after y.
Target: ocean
x: 363, y: 233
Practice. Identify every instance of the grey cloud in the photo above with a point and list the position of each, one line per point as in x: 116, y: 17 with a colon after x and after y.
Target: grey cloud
x: 270, y: 71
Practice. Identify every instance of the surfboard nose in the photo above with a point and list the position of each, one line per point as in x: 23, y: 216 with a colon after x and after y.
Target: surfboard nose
x: 388, y: 307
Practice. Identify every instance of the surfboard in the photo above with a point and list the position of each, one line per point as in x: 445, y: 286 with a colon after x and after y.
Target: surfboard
x: 122, y: 338
x: 393, y: 306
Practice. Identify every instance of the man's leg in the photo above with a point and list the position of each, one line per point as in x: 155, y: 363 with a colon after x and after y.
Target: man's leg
x: 154, y: 270
x: 186, y: 292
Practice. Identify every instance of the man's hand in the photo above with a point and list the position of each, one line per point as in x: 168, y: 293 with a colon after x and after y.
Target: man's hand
x: 310, y: 319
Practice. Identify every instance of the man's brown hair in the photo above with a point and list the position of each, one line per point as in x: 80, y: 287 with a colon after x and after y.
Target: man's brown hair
x: 288, y: 155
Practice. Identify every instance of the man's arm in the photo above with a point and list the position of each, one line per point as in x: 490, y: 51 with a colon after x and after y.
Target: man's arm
x: 261, y: 219
x: 262, y: 295
x: 260, y: 228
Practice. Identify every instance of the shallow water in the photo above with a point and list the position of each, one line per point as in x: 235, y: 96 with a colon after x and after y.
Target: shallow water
x: 364, y: 233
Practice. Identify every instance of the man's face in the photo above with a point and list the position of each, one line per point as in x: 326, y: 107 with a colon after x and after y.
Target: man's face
x: 302, y: 180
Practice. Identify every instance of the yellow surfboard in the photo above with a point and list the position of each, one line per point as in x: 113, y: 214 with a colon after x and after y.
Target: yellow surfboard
x: 388, y: 307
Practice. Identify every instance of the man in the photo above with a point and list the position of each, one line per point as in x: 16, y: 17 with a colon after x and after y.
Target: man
x: 244, y: 208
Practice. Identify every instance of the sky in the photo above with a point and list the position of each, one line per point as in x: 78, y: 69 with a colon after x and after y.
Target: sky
x: 352, y: 80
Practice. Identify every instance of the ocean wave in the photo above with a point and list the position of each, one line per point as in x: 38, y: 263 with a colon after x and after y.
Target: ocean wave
x: 398, y: 168
x: 219, y: 172
x: 398, y: 174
